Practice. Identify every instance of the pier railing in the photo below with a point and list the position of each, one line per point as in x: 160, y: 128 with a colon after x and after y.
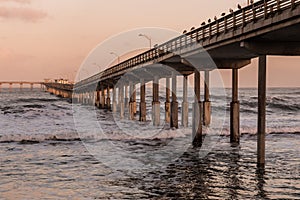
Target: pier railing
x: 236, y: 19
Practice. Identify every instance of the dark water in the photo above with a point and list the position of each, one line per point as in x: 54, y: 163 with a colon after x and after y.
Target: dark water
x: 51, y: 149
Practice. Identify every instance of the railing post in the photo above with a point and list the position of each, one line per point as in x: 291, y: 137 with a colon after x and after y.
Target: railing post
x: 225, y: 24
x: 292, y: 4
x: 254, y: 12
x: 265, y: 9
x: 278, y: 5
x: 244, y: 18
x: 234, y: 21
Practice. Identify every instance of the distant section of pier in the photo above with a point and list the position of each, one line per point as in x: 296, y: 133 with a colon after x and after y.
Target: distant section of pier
x: 59, y: 87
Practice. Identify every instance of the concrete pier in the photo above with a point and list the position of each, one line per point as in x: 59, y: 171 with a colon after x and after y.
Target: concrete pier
x: 126, y: 96
x: 235, y: 110
x: 108, y: 106
x: 174, y: 103
x: 114, y: 103
x: 122, y: 104
x: 131, y: 101
x: 102, y: 98
x: 133, y: 96
x: 155, y: 102
x: 266, y: 28
x: 97, y: 103
x: 143, y: 101
x: 261, y: 120
x: 206, y: 103
x: 185, y: 104
x: 167, y: 103
x: 197, y: 110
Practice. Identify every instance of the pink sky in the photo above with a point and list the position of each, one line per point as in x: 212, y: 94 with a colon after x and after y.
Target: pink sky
x: 50, y: 38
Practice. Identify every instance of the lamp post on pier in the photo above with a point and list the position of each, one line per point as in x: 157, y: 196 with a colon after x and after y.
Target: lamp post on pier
x: 113, y: 53
x: 147, y: 37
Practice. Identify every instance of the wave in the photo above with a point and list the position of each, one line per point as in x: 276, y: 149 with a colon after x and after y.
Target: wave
x: 35, y: 100
x: 34, y: 139
x: 120, y: 136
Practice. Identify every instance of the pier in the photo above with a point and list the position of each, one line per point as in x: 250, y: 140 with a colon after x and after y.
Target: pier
x: 64, y: 90
x: 263, y: 28
x: 21, y: 84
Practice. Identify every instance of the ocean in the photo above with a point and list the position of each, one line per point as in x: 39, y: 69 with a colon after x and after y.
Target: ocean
x: 53, y: 149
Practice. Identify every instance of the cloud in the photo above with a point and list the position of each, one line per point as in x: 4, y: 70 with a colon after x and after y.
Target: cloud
x: 22, y: 13
x: 17, y: 1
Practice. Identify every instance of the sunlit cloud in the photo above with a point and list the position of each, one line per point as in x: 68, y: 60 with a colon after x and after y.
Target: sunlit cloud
x: 22, y: 13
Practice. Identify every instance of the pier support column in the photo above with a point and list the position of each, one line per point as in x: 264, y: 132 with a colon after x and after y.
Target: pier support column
x: 102, y: 100
x: 235, y: 110
x: 197, y: 110
x: 97, y: 103
x: 114, y: 103
x: 31, y: 86
x: 21, y: 86
x: 126, y: 97
x: 143, y: 101
x: 155, y: 102
x: 132, y: 101
x: 122, y: 105
x: 261, y: 120
x: 174, y: 104
x: 0, y: 87
x: 185, y: 104
x: 10, y: 87
x: 167, y: 103
x: 206, y: 103
x: 108, y: 98
x: 92, y: 95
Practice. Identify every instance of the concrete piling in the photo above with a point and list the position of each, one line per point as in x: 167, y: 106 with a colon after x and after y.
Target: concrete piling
x: 114, y: 104
x: 108, y: 106
x: 206, y: 103
x: 155, y: 102
x: 174, y: 103
x: 185, y: 104
x: 126, y: 96
x: 102, y: 97
x: 167, y: 103
x: 197, y: 110
x: 235, y: 110
x: 261, y: 121
x: 122, y: 105
x: 131, y: 101
x: 143, y: 101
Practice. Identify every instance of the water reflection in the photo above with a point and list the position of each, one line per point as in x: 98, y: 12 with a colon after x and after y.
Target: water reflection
x: 260, y: 179
x: 234, y: 182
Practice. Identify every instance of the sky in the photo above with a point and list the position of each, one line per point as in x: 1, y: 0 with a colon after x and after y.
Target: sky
x: 51, y: 38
